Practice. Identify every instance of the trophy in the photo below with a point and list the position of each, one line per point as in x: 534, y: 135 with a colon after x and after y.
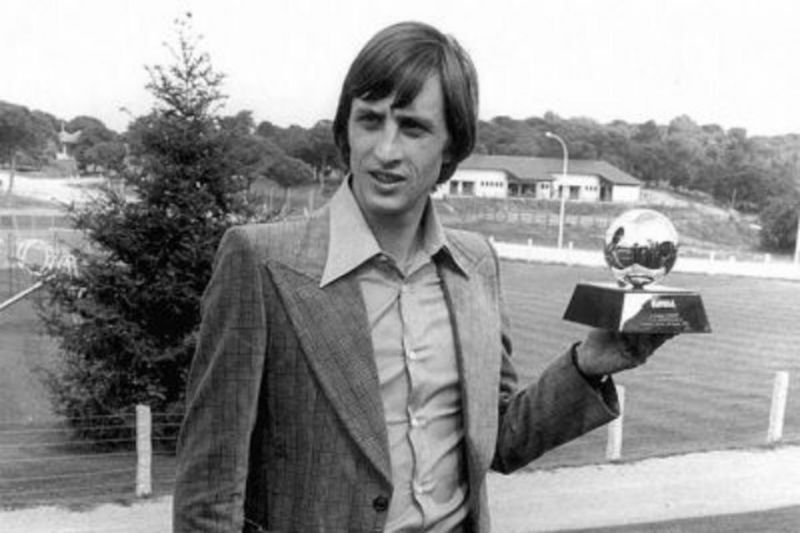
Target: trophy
x: 641, y: 247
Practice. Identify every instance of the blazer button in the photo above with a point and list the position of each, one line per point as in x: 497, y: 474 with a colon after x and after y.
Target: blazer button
x: 380, y: 504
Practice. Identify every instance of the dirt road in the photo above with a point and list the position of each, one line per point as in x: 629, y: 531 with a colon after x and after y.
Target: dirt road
x: 699, y: 484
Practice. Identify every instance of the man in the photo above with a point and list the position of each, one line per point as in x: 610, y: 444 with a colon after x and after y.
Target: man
x: 353, y: 370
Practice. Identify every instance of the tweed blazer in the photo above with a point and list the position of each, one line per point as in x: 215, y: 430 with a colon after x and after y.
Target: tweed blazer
x: 284, y: 429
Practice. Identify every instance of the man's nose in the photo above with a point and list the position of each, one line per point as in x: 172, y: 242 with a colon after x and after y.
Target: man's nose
x: 387, y: 148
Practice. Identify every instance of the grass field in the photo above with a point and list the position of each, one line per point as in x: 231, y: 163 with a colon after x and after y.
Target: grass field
x: 699, y: 392
x: 40, y: 463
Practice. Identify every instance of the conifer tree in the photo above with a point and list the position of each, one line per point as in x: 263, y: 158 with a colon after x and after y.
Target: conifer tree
x: 126, y: 322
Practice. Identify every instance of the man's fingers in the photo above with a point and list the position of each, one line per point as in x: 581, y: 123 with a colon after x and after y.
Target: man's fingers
x: 639, y: 346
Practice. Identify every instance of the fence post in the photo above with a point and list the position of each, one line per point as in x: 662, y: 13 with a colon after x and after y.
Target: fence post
x: 144, y: 451
x: 614, y: 444
x: 777, y: 412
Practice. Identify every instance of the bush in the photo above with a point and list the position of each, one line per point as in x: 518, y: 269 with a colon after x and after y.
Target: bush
x: 779, y: 224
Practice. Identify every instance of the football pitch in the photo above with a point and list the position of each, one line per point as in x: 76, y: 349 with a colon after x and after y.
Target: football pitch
x: 699, y: 391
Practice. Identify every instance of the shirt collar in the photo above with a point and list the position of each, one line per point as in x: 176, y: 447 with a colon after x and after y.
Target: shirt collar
x: 352, y: 242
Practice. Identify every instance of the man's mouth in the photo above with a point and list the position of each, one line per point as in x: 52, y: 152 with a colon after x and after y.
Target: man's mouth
x: 386, y: 178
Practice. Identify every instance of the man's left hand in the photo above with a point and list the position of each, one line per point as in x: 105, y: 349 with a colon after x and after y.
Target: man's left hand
x: 606, y: 352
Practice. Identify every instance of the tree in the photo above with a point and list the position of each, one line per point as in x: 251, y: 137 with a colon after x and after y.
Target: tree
x: 288, y: 172
x: 314, y: 146
x: 126, y: 323
x: 21, y: 134
x: 107, y: 155
x: 92, y: 132
x: 779, y: 223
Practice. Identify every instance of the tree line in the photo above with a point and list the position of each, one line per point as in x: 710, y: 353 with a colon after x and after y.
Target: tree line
x: 29, y: 140
x: 749, y: 174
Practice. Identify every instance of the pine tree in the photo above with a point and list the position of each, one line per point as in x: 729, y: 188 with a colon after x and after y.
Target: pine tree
x: 126, y: 323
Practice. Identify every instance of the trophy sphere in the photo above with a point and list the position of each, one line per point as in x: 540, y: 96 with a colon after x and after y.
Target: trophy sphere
x: 641, y: 247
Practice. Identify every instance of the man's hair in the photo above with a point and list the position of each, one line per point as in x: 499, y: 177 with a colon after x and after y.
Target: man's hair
x: 399, y: 59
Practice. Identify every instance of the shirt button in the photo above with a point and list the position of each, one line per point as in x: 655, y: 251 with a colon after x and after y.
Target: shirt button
x: 412, y: 355
x: 421, y: 488
x: 417, y: 422
x: 380, y: 503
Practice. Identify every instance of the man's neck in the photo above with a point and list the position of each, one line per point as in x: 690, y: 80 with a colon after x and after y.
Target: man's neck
x: 398, y: 236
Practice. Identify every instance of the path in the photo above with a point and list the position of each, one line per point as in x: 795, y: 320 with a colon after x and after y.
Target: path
x: 698, y: 484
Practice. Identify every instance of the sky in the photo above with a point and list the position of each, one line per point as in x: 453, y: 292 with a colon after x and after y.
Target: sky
x: 728, y: 62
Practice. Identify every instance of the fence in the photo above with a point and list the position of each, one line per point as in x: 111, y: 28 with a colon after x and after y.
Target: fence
x: 50, y: 464
x: 45, y: 466
x: 774, y: 426
x: 766, y: 268
x: 26, y: 253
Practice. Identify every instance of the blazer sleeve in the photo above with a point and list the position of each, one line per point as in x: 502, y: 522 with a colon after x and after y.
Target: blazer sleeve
x: 222, y: 393
x: 558, y: 407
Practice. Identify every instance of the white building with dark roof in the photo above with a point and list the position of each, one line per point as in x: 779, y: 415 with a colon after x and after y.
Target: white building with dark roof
x: 502, y: 176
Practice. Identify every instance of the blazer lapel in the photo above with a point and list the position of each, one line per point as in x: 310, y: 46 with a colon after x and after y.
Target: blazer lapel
x: 478, y: 354
x: 333, y: 330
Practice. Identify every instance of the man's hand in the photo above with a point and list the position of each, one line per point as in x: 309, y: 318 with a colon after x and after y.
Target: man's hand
x: 607, y: 352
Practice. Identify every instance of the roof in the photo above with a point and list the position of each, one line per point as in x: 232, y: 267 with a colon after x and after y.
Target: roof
x: 523, y: 168
x: 69, y: 138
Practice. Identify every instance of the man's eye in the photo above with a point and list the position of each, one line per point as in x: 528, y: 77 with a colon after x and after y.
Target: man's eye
x: 413, y: 128
x: 370, y: 120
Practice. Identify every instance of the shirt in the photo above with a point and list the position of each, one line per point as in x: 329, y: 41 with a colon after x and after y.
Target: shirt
x: 415, y: 356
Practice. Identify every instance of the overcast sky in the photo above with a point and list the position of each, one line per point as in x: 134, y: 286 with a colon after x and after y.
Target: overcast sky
x: 729, y: 62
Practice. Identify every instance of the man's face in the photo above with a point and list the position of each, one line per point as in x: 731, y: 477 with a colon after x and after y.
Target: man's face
x: 396, y: 154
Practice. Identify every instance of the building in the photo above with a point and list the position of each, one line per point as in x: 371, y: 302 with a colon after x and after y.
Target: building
x: 502, y: 176
x: 67, y: 142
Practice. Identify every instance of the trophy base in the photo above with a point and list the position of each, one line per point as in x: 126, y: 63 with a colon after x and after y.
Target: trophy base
x: 654, y: 309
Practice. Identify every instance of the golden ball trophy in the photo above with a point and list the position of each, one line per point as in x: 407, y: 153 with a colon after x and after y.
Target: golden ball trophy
x: 641, y: 247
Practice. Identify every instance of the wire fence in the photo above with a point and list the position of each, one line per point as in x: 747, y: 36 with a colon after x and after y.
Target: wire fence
x: 52, y: 464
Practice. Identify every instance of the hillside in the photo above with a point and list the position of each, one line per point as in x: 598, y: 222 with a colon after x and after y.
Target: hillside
x: 703, y: 226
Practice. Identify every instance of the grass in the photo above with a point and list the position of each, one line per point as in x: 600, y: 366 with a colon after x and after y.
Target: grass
x: 699, y: 392
x: 40, y: 461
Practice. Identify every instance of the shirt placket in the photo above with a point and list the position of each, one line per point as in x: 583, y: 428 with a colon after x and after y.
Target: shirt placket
x: 417, y: 421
